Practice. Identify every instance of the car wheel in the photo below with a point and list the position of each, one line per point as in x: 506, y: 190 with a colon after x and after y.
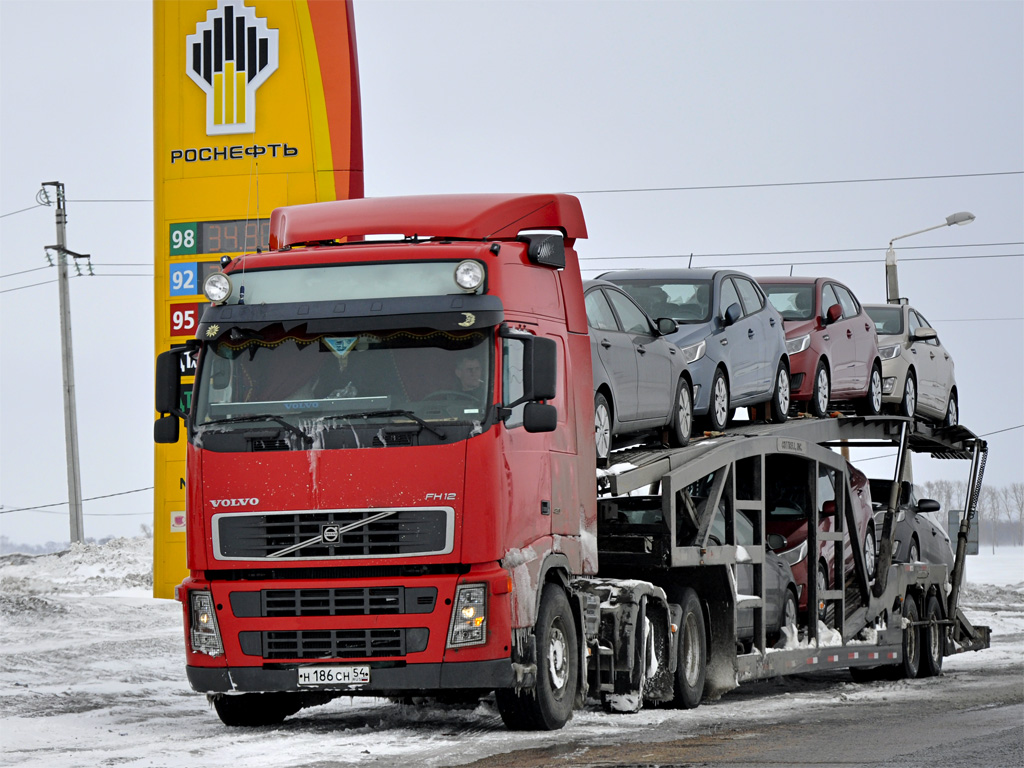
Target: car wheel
x: 871, y: 405
x: 952, y: 412
x: 908, y: 405
x: 682, y: 416
x: 822, y: 391
x: 780, y: 398
x: 822, y: 583
x: 914, y: 554
x: 870, y: 554
x: 691, y: 666
x: 719, y: 412
x: 933, y: 639
x: 602, y: 429
x: 790, y: 614
x: 549, y: 706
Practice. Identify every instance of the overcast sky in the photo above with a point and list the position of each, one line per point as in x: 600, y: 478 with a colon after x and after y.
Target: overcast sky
x: 684, y: 127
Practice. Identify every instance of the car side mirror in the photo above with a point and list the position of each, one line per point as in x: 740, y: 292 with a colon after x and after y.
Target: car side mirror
x: 834, y: 313
x: 777, y: 542
x: 828, y: 509
x: 924, y: 334
x: 733, y: 314
x: 928, y: 505
x: 666, y: 325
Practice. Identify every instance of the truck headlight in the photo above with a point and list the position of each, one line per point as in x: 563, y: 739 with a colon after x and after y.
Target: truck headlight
x: 694, y: 352
x: 798, y: 345
x: 204, y: 633
x: 469, y: 275
x: 469, y: 616
x: 890, y: 352
x: 217, y: 288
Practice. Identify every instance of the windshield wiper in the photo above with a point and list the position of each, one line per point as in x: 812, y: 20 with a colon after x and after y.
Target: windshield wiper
x: 374, y: 414
x: 259, y: 417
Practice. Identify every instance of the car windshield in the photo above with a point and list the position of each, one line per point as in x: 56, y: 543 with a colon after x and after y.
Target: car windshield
x: 248, y: 378
x: 794, y: 301
x: 888, y: 320
x: 685, y: 301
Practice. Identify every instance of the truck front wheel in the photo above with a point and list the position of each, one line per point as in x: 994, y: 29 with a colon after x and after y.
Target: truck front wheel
x: 691, y: 666
x: 549, y: 706
x: 251, y: 710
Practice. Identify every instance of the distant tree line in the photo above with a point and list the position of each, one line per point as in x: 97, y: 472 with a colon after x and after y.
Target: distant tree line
x: 1000, y: 509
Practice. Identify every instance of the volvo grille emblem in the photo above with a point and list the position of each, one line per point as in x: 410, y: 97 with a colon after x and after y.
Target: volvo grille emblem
x: 329, y: 533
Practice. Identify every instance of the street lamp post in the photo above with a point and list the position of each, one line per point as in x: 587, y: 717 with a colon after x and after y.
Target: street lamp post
x: 892, y: 286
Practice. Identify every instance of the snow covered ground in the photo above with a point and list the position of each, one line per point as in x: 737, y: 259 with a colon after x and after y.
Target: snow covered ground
x: 92, y: 673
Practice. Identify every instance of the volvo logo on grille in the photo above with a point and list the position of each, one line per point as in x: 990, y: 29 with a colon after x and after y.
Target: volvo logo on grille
x: 330, y: 533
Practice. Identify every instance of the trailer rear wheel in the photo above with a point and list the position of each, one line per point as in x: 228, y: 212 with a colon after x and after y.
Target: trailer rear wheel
x: 549, y: 706
x: 911, y: 662
x: 691, y: 666
x: 933, y: 639
x: 251, y: 710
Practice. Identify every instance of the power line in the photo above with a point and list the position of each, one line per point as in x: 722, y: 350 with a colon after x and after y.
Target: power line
x: 793, y: 183
x: 798, y: 263
x: 22, y: 210
x: 30, y: 285
x: 64, y: 503
x: 987, y: 434
x: 26, y: 271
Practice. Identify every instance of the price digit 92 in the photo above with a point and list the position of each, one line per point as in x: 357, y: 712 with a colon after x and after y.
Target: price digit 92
x: 182, y: 279
x: 183, y: 238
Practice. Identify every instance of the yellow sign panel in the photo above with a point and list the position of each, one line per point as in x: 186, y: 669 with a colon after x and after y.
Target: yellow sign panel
x: 256, y: 105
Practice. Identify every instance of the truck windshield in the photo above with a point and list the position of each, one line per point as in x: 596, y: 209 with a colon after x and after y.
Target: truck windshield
x: 422, y: 377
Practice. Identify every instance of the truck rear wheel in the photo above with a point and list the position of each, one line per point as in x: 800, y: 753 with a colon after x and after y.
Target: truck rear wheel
x: 250, y: 710
x: 911, y: 663
x: 692, y: 664
x: 932, y: 639
x: 549, y: 706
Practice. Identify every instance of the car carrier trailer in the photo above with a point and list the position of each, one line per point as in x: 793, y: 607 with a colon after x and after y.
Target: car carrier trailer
x: 358, y: 526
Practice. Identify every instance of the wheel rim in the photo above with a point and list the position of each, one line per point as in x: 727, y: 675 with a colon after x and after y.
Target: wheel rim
x: 721, y: 402
x: 684, y: 412
x: 782, y: 387
x: 952, y: 417
x: 915, y: 552
x: 876, y: 391
x: 869, y: 554
x: 934, y: 639
x: 558, y: 666
x: 822, y: 586
x: 691, y: 650
x: 910, y: 397
x: 911, y: 635
x: 602, y: 431
x: 823, y: 393
x: 789, y: 616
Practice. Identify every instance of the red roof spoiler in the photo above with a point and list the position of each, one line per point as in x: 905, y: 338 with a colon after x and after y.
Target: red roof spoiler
x: 470, y: 217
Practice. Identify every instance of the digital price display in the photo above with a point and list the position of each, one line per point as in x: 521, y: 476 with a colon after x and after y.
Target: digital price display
x: 231, y: 236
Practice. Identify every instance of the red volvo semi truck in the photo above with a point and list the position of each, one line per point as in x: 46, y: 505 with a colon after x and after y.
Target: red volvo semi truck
x: 392, y: 488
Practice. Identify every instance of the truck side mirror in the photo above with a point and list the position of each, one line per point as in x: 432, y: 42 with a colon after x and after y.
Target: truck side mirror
x: 540, y: 368
x: 540, y: 417
x: 166, y: 429
x: 168, y: 396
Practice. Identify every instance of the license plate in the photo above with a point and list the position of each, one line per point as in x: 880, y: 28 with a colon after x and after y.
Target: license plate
x: 332, y: 674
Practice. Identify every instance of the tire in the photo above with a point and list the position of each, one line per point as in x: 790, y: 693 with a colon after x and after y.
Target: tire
x: 549, y: 706
x: 790, y: 613
x: 682, y: 416
x: 780, y: 397
x: 952, y: 411
x: 692, y: 664
x: 911, y: 663
x: 932, y: 639
x: 914, y: 553
x: 870, y: 554
x: 251, y: 710
x: 602, y: 429
x: 822, y: 577
x: 822, y: 391
x: 719, y: 411
x: 871, y: 405
x: 908, y: 405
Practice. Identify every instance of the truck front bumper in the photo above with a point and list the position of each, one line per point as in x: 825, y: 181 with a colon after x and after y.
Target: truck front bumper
x: 496, y: 673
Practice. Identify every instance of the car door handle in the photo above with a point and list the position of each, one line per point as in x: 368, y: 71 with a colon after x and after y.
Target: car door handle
x: 605, y: 343
x: 849, y: 333
x: 931, y: 355
x: 771, y: 322
x: 724, y: 342
x: 826, y: 337
x: 641, y: 350
x: 750, y: 333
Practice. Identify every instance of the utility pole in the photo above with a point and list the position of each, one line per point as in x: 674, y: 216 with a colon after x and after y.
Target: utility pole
x: 68, y: 368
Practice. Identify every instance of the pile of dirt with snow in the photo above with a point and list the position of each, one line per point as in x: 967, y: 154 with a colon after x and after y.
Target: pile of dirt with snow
x: 31, y: 583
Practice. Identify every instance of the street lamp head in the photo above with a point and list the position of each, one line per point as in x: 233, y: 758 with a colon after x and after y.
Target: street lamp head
x: 961, y: 218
